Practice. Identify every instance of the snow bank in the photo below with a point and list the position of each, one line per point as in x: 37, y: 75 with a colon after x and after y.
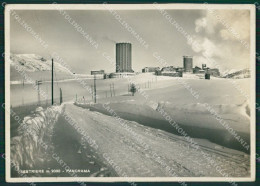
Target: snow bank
x: 34, y: 137
x: 219, y: 107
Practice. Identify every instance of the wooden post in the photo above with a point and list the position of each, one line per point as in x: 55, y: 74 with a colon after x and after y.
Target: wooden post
x: 95, y: 89
x: 38, y: 83
x: 60, y: 96
x: 47, y: 96
x: 92, y: 92
x: 23, y: 93
x: 52, y: 94
x: 114, y: 90
x: 110, y: 90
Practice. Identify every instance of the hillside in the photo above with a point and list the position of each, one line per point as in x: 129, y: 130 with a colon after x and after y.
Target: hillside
x: 34, y: 63
x: 238, y: 74
x: 37, y: 68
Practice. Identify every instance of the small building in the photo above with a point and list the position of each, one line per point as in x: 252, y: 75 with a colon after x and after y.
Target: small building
x: 170, y: 73
x: 106, y: 76
x: 207, y: 76
x: 196, y: 70
x: 121, y: 74
x: 150, y: 69
x: 179, y: 69
x: 169, y: 69
x: 97, y: 72
x: 158, y: 72
x: 213, y: 72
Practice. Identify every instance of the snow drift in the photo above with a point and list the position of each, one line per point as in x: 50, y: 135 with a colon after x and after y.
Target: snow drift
x: 33, y: 142
x: 218, y: 102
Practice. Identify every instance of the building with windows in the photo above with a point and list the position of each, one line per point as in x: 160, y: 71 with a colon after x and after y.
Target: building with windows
x: 150, y: 69
x: 124, y: 57
x: 188, y: 63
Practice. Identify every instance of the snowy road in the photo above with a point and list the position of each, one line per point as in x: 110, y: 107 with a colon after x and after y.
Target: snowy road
x: 146, y: 152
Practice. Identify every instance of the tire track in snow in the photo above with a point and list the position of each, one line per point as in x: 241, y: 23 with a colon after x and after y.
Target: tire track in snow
x: 114, y: 140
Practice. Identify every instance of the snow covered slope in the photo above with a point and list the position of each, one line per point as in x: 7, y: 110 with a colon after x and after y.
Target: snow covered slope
x: 217, y: 99
x: 237, y: 74
x: 35, y: 63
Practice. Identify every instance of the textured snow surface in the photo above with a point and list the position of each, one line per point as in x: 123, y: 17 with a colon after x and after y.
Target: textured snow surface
x: 143, y: 151
x: 29, y: 148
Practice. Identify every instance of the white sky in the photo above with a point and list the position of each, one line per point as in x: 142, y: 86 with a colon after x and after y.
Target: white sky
x: 215, y: 40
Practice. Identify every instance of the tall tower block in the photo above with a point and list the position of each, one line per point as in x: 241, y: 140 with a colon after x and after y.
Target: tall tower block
x: 124, y: 57
x: 187, y: 63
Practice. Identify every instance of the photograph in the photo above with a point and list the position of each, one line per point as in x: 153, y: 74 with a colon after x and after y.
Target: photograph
x: 130, y: 93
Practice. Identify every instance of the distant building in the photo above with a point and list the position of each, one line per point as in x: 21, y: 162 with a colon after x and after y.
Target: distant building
x: 158, y: 72
x: 204, y: 66
x: 198, y: 70
x: 169, y: 69
x: 124, y: 57
x: 188, y: 63
x: 179, y: 69
x: 171, y: 73
x: 213, y: 72
x: 150, y: 69
x: 97, y: 72
x: 207, y: 76
x: 121, y: 75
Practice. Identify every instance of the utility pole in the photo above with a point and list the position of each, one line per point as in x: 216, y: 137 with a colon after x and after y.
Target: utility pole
x: 110, y: 90
x: 92, y: 92
x: 38, y: 83
x: 114, y: 90
x: 95, y: 89
x: 23, y: 94
x: 60, y: 96
x: 47, y: 96
x: 52, y: 68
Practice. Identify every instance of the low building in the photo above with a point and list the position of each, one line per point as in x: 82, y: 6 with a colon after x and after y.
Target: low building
x: 121, y: 74
x: 150, y: 69
x: 213, y: 72
x: 170, y: 73
x: 179, y: 69
x: 169, y: 69
x: 97, y: 72
x: 158, y: 72
x: 198, y: 70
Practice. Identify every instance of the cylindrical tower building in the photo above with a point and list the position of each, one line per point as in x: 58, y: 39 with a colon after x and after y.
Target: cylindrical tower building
x: 124, y: 57
x: 187, y: 63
